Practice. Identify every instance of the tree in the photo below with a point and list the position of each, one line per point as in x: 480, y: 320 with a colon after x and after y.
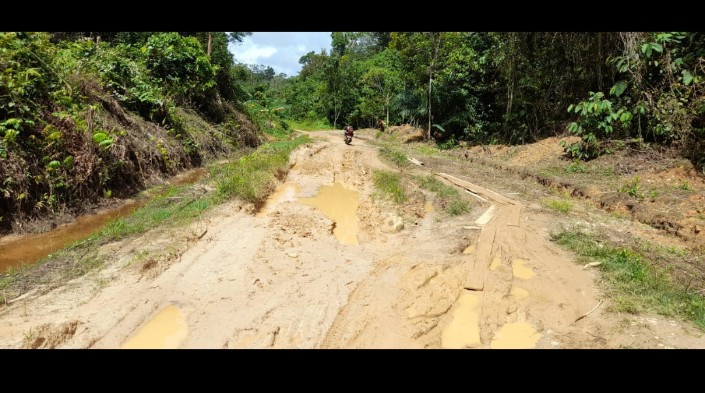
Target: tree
x: 382, y: 81
x: 424, y: 53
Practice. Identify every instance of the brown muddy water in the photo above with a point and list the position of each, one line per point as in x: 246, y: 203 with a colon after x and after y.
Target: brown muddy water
x: 166, y: 330
x: 27, y: 249
x: 339, y: 204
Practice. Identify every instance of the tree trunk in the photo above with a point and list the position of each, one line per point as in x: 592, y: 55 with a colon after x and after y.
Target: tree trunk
x: 430, y: 81
x: 387, y: 123
x: 210, y: 39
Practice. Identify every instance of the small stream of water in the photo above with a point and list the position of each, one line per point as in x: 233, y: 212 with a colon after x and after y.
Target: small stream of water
x: 28, y: 249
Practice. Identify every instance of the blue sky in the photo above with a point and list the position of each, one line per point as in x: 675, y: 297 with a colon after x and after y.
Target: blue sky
x: 281, y: 51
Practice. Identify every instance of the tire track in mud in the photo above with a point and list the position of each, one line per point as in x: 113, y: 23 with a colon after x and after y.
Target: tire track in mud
x: 282, y: 280
x: 500, y: 312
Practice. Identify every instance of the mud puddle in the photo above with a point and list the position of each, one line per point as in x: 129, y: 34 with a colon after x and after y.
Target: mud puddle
x: 516, y: 335
x: 166, y: 330
x: 340, y: 205
x: 464, y: 330
x: 28, y: 249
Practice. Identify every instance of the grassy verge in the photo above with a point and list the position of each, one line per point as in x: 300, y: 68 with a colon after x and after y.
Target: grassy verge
x: 634, y: 283
x: 426, y: 149
x: 253, y: 177
x: 250, y: 178
x: 177, y: 205
x: 560, y: 205
x: 447, y: 196
x: 390, y: 184
x: 394, y: 156
x: 311, y: 125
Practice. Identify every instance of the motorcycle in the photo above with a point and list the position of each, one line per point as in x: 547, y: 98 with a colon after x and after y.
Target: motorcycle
x: 348, y: 135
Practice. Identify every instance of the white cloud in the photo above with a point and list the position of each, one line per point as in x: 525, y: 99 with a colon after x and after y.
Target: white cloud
x: 281, y: 51
x: 253, y: 53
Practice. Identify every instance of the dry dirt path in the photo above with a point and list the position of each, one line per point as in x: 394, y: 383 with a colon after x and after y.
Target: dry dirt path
x: 322, y: 266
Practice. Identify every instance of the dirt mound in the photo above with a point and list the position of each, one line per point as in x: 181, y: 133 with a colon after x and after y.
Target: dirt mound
x: 684, y: 176
x: 407, y: 133
x: 549, y: 147
x: 51, y: 335
x: 541, y: 151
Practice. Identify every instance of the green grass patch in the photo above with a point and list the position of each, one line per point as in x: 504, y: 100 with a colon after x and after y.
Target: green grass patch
x: 394, y: 156
x: 390, y: 184
x: 633, y: 188
x: 431, y: 183
x: 634, y: 284
x: 684, y: 186
x: 448, y: 196
x: 560, y: 205
x: 311, y: 125
x: 575, y: 167
x: 551, y: 172
x: 174, y: 206
x: 456, y: 207
x: 425, y: 149
x: 254, y: 176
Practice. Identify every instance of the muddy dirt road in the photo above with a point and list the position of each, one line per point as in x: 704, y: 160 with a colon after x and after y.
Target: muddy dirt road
x: 326, y: 264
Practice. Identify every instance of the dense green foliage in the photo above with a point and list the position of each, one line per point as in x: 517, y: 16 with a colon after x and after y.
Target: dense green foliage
x: 62, y: 97
x: 85, y: 116
x: 508, y: 87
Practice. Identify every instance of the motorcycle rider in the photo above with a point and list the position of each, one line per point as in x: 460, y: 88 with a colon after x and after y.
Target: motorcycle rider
x: 348, y: 134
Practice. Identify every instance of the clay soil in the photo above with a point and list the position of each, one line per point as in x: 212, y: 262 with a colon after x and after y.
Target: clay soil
x: 411, y: 276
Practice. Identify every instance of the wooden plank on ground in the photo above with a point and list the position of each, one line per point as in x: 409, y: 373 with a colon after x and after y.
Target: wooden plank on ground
x: 477, y: 189
x: 415, y: 161
x: 514, y: 218
x: 480, y: 264
x: 486, y: 216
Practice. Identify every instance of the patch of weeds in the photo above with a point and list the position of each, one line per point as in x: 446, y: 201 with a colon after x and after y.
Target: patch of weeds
x: 560, y: 205
x: 576, y: 167
x: 448, y: 196
x: 29, y: 337
x: 450, y: 143
x: 607, y: 171
x: 684, y: 186
x: 139, y: 256
x: 173, y: 206
x: 425, y: 149
x: 431, y: 183
x: 456, y: 207
x: 551, y: 171
x: 310, y: 125
x: 632, y: 187
x: 81, y: 266
x: 634, y: 284
x: 254, y: 176
x: 395, y: 156
x: 390, y: 184
x: 102, y: 283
